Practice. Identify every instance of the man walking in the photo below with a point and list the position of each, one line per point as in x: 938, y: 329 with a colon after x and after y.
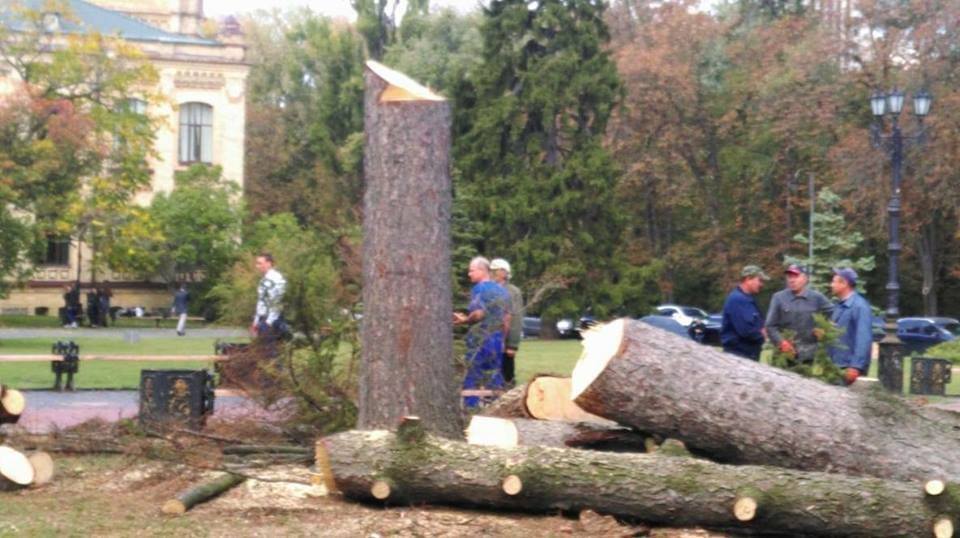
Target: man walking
x: 852, y: 315
x: 741, y: 332
x: 268, y: 323
x: 180, y: 300
x: 486, y: 314
x: 792, y: 309
x: 501, y: 274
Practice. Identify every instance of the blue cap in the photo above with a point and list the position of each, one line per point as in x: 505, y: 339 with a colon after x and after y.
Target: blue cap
x: 847, y: 274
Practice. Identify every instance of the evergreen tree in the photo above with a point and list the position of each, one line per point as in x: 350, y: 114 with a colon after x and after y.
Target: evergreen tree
x: 536, y: 179
x: 834, y: 244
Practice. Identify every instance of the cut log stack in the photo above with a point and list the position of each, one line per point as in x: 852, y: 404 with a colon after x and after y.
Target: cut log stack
x: 19, y: 470
x: 791, y: 455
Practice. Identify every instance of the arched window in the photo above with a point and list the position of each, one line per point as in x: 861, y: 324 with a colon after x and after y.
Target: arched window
x: 196, y: 133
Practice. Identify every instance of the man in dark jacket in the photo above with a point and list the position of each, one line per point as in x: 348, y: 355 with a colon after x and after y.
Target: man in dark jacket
x: 742, y: 330
x: 792, y: 309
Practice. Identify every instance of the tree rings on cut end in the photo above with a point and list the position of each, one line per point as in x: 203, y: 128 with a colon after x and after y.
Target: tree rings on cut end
x: 174, y: 507
x: 745, y: 508
x: 15, y: 467
x: 599, y: 346
x: 934, y: 487
x: 380, y: 490
x: 512, y: 485
x: 943, y: 527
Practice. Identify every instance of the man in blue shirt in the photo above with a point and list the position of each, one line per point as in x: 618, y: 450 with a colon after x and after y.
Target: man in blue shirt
x: 852, y: 315
x: 742, y: 330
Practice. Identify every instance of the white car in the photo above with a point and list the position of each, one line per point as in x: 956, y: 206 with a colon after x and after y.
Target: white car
x: 684, y: 315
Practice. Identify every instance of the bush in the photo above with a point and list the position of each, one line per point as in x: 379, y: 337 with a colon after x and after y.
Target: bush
x: 947, y: 350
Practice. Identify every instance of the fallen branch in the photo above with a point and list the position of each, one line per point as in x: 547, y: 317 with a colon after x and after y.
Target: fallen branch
x: 201, y: 493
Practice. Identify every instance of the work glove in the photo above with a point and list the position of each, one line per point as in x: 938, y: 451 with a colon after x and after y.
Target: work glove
x: 850, y: 375
x: 787, y: 347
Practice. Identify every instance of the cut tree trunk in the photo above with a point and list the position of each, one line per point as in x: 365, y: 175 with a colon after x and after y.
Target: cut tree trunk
x: 544, y: 397
x: 406, y: 331
x: 502, y: 432
x: 15, y: 469
x: 740, y: 411
x: 12, y: 404
x: 201, y: 493
x: 378, y: 466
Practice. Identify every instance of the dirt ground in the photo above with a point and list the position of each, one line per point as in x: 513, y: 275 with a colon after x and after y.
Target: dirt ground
x: 122, y: 495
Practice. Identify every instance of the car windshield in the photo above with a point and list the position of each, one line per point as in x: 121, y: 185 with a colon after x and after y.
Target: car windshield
x: 694, y: 312
x: 951, y: 327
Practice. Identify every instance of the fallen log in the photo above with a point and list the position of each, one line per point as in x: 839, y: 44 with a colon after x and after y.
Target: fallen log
x: 544, y: 397
x: 201, y: 493
x: 15, y: 469
x: 503, y: 432
x: 379, y: 466
x: 12, y: 404
x: 740, y: 411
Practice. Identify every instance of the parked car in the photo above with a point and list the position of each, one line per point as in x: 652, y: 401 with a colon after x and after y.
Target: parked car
x: 531, y: 326
x: 707, y: 330
x: 919, y: 334
x: 684, y: 315
x: 567, y: 328
x: 667, y: 324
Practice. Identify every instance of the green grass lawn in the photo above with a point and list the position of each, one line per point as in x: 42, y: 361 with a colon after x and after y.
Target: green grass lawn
x: 50, y: 322
x: 96, y: 374
x: 546, y: 357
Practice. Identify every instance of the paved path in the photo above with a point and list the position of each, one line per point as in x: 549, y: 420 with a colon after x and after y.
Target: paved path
x: 49, y: 411
x: 217, y: 332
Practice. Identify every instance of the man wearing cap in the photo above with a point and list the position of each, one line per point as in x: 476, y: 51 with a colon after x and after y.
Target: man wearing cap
x: 501, y: 274
x: 793, y: 309
x: 852, y: 315
x: 742, y: 330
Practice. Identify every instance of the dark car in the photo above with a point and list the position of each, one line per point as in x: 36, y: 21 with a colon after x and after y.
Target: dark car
x: 567, y: 328
x: 667, y: 324
x: 707, y: 330
x: 531, y: 326
x: 919, y: 334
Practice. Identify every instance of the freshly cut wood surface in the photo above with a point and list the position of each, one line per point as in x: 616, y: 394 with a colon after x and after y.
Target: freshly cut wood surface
x: 43, y: 467
x: 503, y: 432
x: 15, y: 468
x: 548, y: 398
x: 740, y: 411
x: 652, y: 488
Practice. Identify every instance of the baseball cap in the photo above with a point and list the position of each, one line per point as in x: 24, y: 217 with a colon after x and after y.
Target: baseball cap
x: 500, y: 263
x: 752, y: 271
x: 795, y: 269
x: 847, y: 274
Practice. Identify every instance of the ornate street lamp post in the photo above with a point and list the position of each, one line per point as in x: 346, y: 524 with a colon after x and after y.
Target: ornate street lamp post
x: 891, y: 104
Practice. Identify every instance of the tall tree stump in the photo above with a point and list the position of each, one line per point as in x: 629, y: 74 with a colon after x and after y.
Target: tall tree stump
x: 407, y: 366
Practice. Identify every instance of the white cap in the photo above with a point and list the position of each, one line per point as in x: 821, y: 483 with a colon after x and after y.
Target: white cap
x: 500, y: 263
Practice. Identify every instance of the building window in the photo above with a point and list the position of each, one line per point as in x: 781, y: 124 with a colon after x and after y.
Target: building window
x: 196, y: 133
x: 58, y: 251
x: 135, y: 106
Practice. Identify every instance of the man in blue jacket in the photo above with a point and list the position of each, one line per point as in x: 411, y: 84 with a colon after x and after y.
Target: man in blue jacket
x: 852, y: 315
x: 742, y: 330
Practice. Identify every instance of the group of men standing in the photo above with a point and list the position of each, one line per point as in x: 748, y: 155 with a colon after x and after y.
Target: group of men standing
x: 495, y: 319
x: 744, y: 329
x: 98, y: 306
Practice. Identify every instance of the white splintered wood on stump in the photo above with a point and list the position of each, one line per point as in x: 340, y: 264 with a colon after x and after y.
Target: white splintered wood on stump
x: 741, y: 411
x: 407, y: 366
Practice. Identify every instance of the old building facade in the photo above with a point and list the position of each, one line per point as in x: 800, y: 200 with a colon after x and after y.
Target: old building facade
x: 202, y: 79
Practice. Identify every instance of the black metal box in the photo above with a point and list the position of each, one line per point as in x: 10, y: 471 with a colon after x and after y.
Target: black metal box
x: 175, y: 398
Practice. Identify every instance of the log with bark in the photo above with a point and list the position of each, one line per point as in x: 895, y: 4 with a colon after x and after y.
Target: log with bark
x: 12, y: 404
x: 15, y: 469
x: 189, y: 498
x: 544, y: 397
x: 504, y: 432
x: 407, y: 288
x: 740, y: 411
x: 402, y: 468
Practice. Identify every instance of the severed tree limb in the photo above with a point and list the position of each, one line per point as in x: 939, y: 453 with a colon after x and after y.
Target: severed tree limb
x: 740, y: 411
x: 12, y: 404
x: 372, y: 465
x: 492, y: 431
x: 266, y: 449
x: 510, y: 404
x: 201, y: 493
x: 15, y: 469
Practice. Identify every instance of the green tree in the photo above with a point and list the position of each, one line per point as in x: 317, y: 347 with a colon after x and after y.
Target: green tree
x: 78, y: 148
x: 536, y: 178
x: 835, y: 244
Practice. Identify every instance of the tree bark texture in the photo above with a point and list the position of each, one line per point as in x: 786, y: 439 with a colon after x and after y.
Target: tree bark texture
x: 656, y: 489
x: 511, y: 404
x: 502, y: 432
x: 407, y: 338
x: 740, y: 411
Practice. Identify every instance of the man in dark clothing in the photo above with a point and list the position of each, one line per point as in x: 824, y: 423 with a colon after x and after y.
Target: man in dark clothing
x: 793, y: 309
x: 742, y: 330
x: 93, y: 307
